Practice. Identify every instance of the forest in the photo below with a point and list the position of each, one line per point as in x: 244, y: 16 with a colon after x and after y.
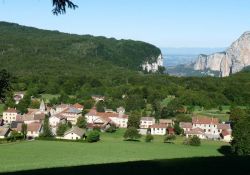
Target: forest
x: 77, y: 67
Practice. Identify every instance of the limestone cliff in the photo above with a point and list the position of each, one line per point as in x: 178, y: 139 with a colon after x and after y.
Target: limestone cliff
x: 153, y: 66
x: 233, y: 60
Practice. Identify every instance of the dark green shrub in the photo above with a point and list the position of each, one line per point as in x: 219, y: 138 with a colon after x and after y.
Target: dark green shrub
x: 131, y: 134
x: 149, y: 138
x: 169, y: 138
x: 93, y: 136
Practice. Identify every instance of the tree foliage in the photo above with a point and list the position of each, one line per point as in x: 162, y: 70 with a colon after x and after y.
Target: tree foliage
x: 81, y: 122
x: 93, y: 136
x: 131, y: 134
x: 241, y: 136
x: 60, y: 6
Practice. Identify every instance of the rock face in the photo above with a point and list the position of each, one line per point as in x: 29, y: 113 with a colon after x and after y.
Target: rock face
x: 154, y: 66
x: 233, y: 60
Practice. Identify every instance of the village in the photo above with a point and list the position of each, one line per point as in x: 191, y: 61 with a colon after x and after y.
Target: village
x: 12, y: 121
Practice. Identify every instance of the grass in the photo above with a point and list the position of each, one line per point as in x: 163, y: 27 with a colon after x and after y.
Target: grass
x: 111, y: 149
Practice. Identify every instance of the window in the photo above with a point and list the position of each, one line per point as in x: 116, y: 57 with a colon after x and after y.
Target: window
x: 204, y: 130
x: 209, y: 130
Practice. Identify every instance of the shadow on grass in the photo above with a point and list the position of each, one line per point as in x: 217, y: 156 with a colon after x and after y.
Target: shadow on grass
x: 184, y: 166
x: 225, y: 150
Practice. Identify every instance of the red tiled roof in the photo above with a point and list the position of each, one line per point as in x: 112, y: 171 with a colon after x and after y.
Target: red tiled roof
x: 159, y: 125
x: 78, y: 106
x: 106, y: 114
x: 205, y: 120
x: 186, y: 125
x: 34, y: 127
x: 224, y: 126
x: 225, y: 133
x: 195, y: 131
x: 11, y: 110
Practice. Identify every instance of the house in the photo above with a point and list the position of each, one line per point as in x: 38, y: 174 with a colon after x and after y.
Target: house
x: 34, y: 129
x: 170, y: 131
x: 71, y: 114
x: 18, y: 96
x: 9, y: 115
x: 186, y: 126
x: 196, y: 132
x: 4, y: 132
x: 56, y: 119
x: 102, y: 118
x: 78, y: 106
x: 208, y: 125
x: 168, y: 122
x: 158, y: 129
x: 16, y: 125
x: 226, y: 136
x: 146, y: 122
x: 74, y: 133
x: 225, y: 132
x: 207, y: 128
x: 61, y: 108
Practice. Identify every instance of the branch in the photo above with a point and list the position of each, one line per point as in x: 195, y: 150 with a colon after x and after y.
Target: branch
x: 60, y: 6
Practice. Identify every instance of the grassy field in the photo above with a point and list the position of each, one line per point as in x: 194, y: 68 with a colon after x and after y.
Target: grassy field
x: 111, y: 149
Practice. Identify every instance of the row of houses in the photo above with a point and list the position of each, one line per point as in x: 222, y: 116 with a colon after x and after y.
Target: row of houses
x: 207, y: 128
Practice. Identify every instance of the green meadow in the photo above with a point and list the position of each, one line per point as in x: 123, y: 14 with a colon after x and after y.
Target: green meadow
x: 111, y: 149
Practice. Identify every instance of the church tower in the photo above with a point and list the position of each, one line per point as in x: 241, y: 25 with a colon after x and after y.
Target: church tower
x: 42, y: 106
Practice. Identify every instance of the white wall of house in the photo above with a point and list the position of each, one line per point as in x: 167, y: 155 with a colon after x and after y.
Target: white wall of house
x: 227, y: 138
x: 120, y: 122
x: 210, y: 130
x: 73, y: 119
x: 33, y: 134
x: 54, y: 121
x: 158, y: 131
x: 146, y: 123
x: 93, y: 119
x: 71, y: 136
x: 9, y: 117
x: 201, y: 136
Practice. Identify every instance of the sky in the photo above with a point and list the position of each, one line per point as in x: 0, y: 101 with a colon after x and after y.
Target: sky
x: 164, y: 23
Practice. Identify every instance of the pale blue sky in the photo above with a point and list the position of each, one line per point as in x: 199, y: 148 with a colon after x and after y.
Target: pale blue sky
x: 165, y: 23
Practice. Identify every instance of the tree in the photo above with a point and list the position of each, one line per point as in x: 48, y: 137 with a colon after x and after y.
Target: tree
x: 149, y: 138
x: 134, y: 119
x: 193, y: 141
x: 236, y: 114
x: 46, y: 128
x: 178, y: 130
x: 24, y: 130
x: 131, y: 134
x: 93, y: 136
x: 169, y: 138
x: 241, y: 136
x: 81, y: 122
x: 100, y: 106
x: 88, y: 104
x: 60, y: 6
x: 5, y: 84
x: 61, y: 129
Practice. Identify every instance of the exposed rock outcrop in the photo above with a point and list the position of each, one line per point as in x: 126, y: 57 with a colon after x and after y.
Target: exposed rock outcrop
x: 153, y: 66
x: 233, y: 60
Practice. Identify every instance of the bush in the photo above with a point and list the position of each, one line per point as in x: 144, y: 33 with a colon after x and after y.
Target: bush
x: 193, y: 141
x: 169, y: 138
x: 149, y: 138
x: 131, y: 134
x: 111, y: 129
x: 93, y: 136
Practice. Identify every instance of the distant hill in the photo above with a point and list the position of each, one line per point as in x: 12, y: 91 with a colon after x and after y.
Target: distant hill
x: 27, y: 50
